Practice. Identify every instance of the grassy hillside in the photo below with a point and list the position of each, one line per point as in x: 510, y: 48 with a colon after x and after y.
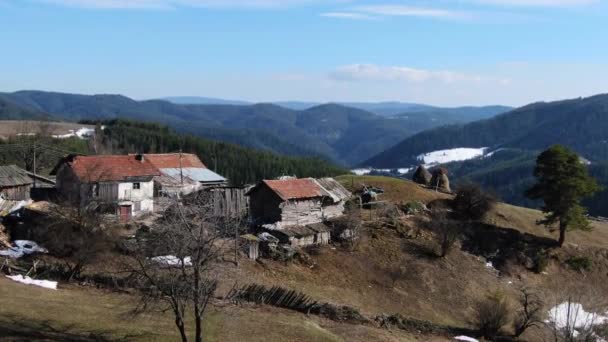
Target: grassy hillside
x: 430, y: 289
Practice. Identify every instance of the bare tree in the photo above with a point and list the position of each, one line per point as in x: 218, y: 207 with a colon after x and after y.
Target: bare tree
x: 446, y: 230
x: 174, y: 263
x: 530, y: 313
x: 77, y: 234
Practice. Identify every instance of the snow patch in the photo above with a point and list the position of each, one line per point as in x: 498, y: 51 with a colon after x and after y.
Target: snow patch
x: 367, y: 171
x: 82, y: 133
x: 466, y: 339
x: 574, y: 315
x: 451, y: 155
x: 172, y: 261
x: 29, y: 281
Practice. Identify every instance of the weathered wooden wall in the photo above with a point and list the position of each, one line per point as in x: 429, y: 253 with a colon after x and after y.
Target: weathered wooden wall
x: 301, y: 212
x: 230, y: 202
x: 16, y: 193
x: 333, y: 210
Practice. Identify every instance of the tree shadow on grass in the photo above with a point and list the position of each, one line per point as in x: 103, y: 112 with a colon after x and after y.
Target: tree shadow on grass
x: 420, y: 249
x: 15, y: 328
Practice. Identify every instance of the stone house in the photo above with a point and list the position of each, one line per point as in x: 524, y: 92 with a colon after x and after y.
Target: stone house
x: 122, y: 182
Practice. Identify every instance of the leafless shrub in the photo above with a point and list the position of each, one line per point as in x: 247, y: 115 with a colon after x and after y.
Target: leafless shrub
x: 472, y: 202
x: 492, y: 314
x: 348, y: 230
x: 78, y: 235
x: 445, y: 229
x: 530, y: 313
x: 192, y: 234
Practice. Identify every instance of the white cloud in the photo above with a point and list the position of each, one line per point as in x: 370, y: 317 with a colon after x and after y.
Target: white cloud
x: 372, y: 72
x: 410, y: 11
x: 538, y: 3
x: 348, y: 15
x: 160, y: 4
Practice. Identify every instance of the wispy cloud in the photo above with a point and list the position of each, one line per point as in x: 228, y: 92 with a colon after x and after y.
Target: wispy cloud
x: 348, y: 15
x: 411, y: 11
x: 161, y: 4
x: 538, y: 3
x: 372, y: 72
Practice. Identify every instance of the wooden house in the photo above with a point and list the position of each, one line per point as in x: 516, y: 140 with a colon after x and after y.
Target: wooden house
x: 15, y: 183
x: 123, y: 181
x: 296, y: 208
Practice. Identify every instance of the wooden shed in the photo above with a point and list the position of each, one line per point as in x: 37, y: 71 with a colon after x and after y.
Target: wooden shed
x: 294, y: 209
x: 15, y: 184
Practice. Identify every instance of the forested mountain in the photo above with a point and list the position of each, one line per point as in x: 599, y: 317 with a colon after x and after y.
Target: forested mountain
x: 342, y: 134
x: 581, y: 124
x: 239, y: 164
x: 12, y: 111
x: 514, y: 139
x: 389, y: 108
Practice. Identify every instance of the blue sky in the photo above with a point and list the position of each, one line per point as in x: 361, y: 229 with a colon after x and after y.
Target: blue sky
x: 442, y: 52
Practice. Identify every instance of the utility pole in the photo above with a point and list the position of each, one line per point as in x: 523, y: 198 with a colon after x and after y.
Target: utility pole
x: 181, y: 172
x: 34, y: 164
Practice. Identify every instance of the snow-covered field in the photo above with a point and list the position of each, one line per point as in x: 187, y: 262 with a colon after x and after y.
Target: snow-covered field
x: 81, y: 133
x: 451, y: 155
x: 367, y: 171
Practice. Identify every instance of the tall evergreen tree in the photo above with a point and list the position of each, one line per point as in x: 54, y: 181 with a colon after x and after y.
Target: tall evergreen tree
x: 562, y: 182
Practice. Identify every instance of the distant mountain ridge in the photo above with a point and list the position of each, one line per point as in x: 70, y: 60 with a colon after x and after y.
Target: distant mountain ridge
x: 385, y: 108
x: 342, y: 134
x: 581, y: 124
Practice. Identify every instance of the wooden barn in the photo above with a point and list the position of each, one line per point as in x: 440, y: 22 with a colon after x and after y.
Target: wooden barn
x: 15, y: 184
x: 296, y: 208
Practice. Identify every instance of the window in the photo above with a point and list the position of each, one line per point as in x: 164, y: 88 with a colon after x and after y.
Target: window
x: 136, y: 186
x: 137, y: 206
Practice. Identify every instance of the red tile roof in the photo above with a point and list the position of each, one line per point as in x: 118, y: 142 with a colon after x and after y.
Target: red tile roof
x: 111, y: 168
x: 294, y: 188
x: 172, y: 160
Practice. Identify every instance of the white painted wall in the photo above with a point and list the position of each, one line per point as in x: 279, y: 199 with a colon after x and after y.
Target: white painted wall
x: 145, y: 195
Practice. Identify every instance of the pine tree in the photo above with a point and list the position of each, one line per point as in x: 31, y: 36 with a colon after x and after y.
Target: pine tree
x: 562, y: 182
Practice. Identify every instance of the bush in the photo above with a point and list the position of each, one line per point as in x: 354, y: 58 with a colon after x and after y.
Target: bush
x: 492, y: 314
x: 579, y: 263
x: 412, y: 208
x: 472, y: 203
x: 541, y: 262
x: 446, y: 231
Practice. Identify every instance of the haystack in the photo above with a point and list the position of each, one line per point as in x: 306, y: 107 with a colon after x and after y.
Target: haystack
x: 440, y: 180
x: 422, y: 176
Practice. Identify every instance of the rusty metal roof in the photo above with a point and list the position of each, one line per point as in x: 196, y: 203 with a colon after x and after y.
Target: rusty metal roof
x: 111, y: 168
x: 294, y: 188
x: 12, y: 175
x: 174, y: 160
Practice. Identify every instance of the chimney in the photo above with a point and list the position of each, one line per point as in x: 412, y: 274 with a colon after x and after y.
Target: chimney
x: 140, y: 157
